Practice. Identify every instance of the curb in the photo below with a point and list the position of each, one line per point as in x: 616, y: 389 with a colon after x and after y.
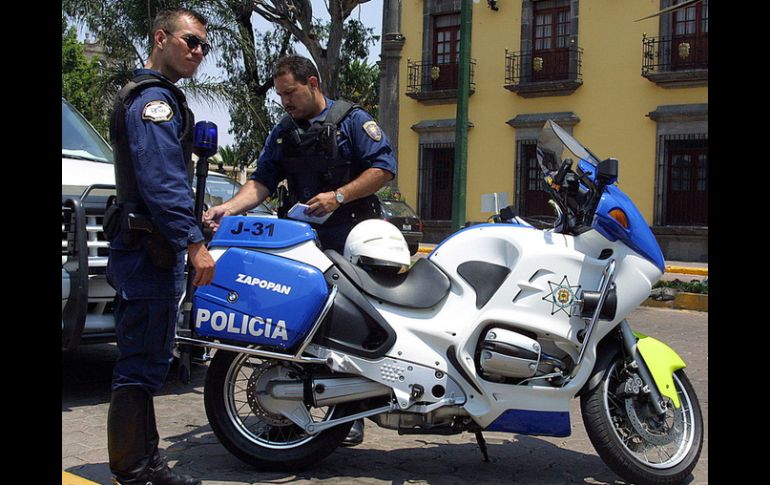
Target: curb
x: 68, y: 478
x: 424, y: 249
x: 682, y: 301
x: 687, y: 270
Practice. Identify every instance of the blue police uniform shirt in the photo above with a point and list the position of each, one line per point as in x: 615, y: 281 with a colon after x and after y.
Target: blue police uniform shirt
x: 353, y: 141
x: 160, y: 166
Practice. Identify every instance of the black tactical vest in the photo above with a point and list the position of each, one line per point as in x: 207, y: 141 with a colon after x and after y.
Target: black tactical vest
x: 125, y: 180
x: 313, y: 163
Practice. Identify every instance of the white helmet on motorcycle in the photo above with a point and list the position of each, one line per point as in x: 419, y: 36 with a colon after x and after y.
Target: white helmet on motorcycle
x: 377, y: 244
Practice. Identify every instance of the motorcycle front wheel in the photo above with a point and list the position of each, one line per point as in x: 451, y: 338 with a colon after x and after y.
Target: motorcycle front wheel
x: 635, y: 443
x: 240, y: 413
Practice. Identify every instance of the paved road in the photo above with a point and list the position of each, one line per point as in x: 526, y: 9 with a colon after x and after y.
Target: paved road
x: 384, y: 457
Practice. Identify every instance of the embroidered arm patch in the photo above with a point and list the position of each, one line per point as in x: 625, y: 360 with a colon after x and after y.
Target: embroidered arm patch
x: 157, y: 111
x: 373, y: 130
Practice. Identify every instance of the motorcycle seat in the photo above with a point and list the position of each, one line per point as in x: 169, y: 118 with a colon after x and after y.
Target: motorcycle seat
x: 423, y: 286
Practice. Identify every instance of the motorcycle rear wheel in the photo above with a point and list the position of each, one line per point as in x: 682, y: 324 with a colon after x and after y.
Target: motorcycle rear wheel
x: 637, y: 445
x: 252, y: 433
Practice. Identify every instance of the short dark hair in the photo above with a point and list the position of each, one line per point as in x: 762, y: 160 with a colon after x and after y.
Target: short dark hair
x: 300, y: 67
x: 166, y: 20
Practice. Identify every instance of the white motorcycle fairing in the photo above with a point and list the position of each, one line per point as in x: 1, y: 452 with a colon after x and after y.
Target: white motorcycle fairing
x: 523, y: 301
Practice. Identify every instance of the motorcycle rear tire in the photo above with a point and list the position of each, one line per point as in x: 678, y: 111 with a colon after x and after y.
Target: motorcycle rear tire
x: 606, y: 418
x: 250, y: 446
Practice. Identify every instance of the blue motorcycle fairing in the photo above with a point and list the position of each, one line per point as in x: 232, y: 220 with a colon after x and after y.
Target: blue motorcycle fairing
x: 260, y: 298
x: 638, y: 236
x: 261, y: 232
x: 588, y: 168
x: 543, y: 423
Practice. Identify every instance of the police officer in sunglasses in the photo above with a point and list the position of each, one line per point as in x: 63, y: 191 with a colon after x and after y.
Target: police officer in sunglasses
x: 150, y: 230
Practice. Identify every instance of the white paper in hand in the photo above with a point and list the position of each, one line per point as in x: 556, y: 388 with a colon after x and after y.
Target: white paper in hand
x: 298, y: 212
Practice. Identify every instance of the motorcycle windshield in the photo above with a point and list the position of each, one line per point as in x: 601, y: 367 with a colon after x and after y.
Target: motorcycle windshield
x: 554, y: 145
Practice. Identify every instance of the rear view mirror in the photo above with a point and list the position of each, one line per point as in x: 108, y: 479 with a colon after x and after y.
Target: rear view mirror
x: 608, y: 170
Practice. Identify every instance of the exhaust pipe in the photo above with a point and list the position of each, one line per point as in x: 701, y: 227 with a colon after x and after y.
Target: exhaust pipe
x: 328, y: 391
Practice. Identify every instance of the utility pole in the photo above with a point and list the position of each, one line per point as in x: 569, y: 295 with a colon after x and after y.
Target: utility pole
x: 461, y: 126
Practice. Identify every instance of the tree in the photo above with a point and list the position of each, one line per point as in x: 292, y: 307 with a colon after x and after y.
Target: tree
x: 296, y: 16
x: 358, y: 80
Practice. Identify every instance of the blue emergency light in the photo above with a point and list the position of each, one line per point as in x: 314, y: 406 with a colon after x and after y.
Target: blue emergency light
x: 205, y: 139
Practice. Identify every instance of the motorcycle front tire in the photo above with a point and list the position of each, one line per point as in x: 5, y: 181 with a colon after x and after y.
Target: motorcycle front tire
x: 665, y: 452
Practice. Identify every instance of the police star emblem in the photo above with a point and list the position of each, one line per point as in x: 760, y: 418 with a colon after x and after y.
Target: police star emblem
x: 562, y: 296
x: 373, y: 130
x: 157, y: 111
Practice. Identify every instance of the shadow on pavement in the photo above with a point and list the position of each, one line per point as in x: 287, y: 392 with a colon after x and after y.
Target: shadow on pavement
x: 514, y: 459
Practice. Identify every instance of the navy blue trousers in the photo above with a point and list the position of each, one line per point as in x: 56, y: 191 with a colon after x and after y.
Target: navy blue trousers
x: 145, y: 335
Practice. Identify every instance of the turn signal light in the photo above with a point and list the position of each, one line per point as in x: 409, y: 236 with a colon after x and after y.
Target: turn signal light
x: 620, y: 217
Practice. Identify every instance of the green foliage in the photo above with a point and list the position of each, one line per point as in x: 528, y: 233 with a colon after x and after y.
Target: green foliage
x: 80, y: 80
x: 693, y: 286
x: 358, y: 81
x: 389, y: 193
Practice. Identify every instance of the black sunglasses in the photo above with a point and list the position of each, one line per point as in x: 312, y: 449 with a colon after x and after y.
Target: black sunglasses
x: 193, y: 42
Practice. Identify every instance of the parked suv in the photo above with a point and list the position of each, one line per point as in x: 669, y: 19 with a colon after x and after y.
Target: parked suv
x: 88, y: 180
x: 401, y: 215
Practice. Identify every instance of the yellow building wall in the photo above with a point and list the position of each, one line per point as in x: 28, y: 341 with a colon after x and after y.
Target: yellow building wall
x: 612, y: 103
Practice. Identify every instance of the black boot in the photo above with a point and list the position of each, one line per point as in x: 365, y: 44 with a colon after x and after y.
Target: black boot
x: 161, y: 474
x: 356, y: 434
x: 127, y: 434
x: 132, y: 441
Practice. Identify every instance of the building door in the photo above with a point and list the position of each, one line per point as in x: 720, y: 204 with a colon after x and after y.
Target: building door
x: 689, y: 45
x: 550, y: 55
x: 436, y: 179
x: 446, y: 51
x: 531, y: 184
x: 687, y: 194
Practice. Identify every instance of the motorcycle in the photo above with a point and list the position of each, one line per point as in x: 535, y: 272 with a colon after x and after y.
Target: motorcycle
x: 500, y: 338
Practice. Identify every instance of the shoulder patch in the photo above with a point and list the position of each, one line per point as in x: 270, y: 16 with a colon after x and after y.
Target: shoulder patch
x: 373, y: 130
x: 157, y: 111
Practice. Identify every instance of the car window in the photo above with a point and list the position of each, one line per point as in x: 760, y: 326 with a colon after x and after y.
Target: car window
x: 391, y: 208
x: 79, y: 139
x: 222, y: 187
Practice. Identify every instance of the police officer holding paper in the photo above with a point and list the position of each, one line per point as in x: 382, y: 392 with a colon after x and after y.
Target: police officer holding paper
x: 150, y: 229
x: 333, y: 156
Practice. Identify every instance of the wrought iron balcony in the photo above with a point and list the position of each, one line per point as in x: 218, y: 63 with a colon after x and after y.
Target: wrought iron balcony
x: 434, y: 83
x: 676, y: 61
x: 556, y: 72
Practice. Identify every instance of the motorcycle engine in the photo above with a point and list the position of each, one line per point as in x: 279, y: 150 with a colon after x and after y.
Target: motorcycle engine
x: 505, y: 353
x: 510, y: 356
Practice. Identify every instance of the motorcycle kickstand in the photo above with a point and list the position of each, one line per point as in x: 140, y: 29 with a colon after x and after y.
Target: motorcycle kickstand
x: 483, y: 445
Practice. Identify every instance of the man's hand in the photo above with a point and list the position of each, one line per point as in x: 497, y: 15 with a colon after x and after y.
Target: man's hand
x: 322, y: 204
x: 251, y: 195
x: 214, y: 215
x: 201, y: 260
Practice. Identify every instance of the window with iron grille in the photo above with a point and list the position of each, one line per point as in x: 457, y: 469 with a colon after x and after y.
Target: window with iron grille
x: 683, y: 177
x: 532, y: 197
x: 436, y: 176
